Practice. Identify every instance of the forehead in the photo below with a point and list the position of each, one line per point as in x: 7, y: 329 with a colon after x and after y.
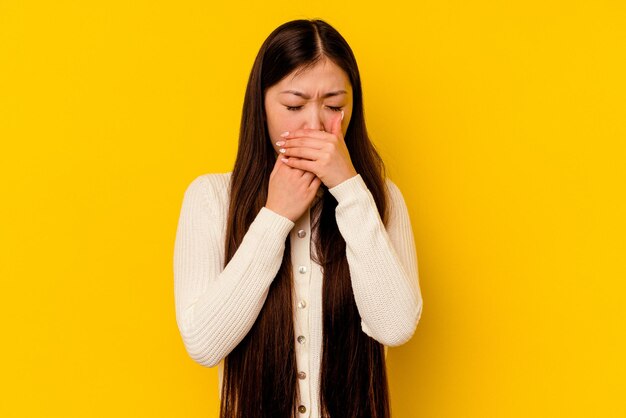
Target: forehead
x: 323, y: 76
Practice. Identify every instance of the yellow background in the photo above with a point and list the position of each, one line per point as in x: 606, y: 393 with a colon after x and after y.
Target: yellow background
x: 501, y: 122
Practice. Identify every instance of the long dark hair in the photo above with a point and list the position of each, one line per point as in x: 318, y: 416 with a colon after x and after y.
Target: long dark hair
x: 259, y: 378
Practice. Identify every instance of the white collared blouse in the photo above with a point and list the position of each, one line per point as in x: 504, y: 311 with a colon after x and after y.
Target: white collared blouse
x: 217, y: 306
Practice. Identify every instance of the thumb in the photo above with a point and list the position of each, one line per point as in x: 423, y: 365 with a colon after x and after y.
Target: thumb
x: 336, y: 126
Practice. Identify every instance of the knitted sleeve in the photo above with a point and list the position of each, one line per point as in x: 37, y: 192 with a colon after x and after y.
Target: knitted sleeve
x: 216, y: 306
x: 382, y: 261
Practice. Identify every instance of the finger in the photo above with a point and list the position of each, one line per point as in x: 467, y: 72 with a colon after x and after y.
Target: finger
x: 314, y: 143
x: 307, y: 133
x: 308, y: 176
x: 277, y: 164
x: 315, y: 184
x: 336, y: 126
x: 301, y: 164
x: 302, y: 152
x: 314, y: 133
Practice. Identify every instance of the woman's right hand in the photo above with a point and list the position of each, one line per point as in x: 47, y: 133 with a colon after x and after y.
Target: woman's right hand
x: 291, y: 190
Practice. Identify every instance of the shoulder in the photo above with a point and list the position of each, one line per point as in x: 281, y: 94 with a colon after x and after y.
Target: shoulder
x: 209, y: 183
x: 390, y: 184
x: 393, y: 190
x: 209, y: 191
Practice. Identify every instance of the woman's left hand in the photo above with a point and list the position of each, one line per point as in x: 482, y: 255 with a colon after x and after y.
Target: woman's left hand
x: 322, y: 153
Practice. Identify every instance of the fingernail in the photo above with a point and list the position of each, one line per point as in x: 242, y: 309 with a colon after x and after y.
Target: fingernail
x: 283, y: 160
x: 282, y: 150
x: 284, y: 134
x: 280, y: 143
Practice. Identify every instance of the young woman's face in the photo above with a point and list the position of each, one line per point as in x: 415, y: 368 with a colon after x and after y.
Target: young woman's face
x: 310, y: 100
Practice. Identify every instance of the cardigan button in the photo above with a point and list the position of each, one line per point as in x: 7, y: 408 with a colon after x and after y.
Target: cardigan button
x: 301, y: 233
x: 302, y: 269
x: 301, y: 304
x: 301, y: 339
x: 302, y: 409
x: 301, y: 375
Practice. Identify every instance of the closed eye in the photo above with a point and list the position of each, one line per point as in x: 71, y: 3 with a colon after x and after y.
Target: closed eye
x: 333, y: 108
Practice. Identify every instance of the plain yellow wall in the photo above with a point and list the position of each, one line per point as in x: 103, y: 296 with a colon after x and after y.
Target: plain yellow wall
x: 501, y: 122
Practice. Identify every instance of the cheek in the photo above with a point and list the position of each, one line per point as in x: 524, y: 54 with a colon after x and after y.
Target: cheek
x: 272, y: 123
x: 346, y: 121
x: 279, y: 123
x: 275, y: 120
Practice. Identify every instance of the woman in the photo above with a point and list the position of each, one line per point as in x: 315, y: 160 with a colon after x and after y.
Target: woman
x: 296, y: 270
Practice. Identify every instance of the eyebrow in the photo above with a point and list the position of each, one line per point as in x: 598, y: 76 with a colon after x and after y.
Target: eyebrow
x: 306, y: 96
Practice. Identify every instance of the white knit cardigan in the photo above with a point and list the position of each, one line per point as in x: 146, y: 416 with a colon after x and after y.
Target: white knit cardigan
x: 216, y: 306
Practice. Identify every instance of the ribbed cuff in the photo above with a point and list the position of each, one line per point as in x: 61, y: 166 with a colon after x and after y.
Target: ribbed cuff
x: 354, y: 186
x: 274, y: 222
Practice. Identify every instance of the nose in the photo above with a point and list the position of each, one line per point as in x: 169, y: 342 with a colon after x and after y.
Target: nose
x: 314, y: 119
